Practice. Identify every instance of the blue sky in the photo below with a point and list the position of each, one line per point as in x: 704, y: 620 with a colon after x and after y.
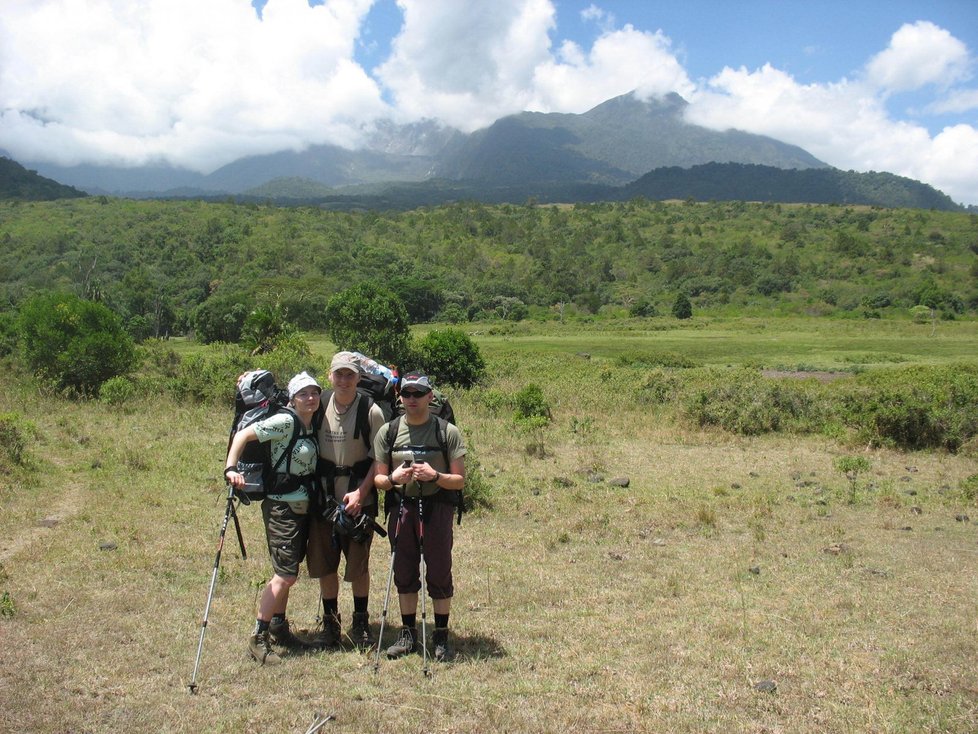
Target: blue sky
x: 865, y: 85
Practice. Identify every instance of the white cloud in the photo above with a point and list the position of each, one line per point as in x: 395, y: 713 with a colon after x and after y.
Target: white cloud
x: 958, y: 100
x: 618, y: 62
x: 196, y: 83
x: 846, y: 123
x: 467, y: 64
x: 199, y: 83
x: 470, y: 64
x: 919, y: 54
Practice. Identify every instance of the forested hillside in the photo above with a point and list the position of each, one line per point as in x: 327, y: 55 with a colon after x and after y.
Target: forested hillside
x: 164, y: 264
x: 16, y: 182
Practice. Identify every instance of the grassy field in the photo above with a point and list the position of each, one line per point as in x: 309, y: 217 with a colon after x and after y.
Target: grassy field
x: 737, y: 584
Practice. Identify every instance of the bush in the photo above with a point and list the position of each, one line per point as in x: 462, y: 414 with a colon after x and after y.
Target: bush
x: 220, y: 318
x: 265, y: 326
x: 75, y: 344
x: 211, y: 376
x: 682, y: 308
x: 8, y: 333
x: 117, y: 391
x: 746, y: 403
x: 368, y: 318
x: 450, y: 356
x: 478, y: 490
x: 914, y: 408
x: 531, y: 407
x: 15, y: 434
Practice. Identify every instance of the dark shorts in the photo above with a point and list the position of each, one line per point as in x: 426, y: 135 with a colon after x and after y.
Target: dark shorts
x: 323, y: 554
x: 438, y: 540
x: 286, y: 532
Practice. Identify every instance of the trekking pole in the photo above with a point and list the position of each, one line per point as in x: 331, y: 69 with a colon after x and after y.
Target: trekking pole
x: 425, y: 668
x: 390, y: 579
x: 228, y: 514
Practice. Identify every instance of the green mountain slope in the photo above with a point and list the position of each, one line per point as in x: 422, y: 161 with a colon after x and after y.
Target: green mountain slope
x: 16, y: 182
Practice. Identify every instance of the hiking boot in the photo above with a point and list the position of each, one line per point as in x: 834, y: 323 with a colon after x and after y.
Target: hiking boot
x: 360, y: 631
x: 260, y: 648
x: 443, y: 651
x: 406, y: 643
x: 281, y: 635
x: 328, y: 633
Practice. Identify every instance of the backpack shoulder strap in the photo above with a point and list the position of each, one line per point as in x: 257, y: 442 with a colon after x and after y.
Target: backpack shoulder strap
x: 392, y: 428
x: 362, y: 429
x: 441, y: 431
x: 287, y: 453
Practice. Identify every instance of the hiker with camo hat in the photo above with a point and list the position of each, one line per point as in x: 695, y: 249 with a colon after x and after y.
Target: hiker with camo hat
x: 285, y: 509
x: 421, y: 473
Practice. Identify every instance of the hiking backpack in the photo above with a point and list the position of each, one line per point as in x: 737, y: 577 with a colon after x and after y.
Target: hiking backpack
x: 258, y: 397
x: 377, y: 381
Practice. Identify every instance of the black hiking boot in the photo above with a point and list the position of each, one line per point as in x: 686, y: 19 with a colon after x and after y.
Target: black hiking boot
x: 280, y: 635
x: 328, y: 633
x: 443, y: 650
x: 360, y: 631
x: 406, y: 643
x: 260, y: 649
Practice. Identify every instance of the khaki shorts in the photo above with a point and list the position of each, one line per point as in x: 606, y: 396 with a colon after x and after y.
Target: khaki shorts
x: 323, y: 554
x: 286, y: 532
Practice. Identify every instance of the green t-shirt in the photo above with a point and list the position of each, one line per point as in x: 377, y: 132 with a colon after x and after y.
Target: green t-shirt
x: 420, y: 444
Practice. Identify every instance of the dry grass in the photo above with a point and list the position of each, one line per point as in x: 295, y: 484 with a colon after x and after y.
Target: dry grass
x: 581, y: 606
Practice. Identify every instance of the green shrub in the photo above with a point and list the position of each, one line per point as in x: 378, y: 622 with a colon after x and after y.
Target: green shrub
x: 211, y: 376
x: 221, y: 317
x: 969, y: 488
x: 449, y: 356
x: 74, y: 344
x: 531, y: 407
x: 15, y: 435
x: 264, y: 327
x: 655, y: 359
x: 660, y: 386
x: 8, y: 333
x: 681, y: 307
x: 369, y: 318
x: 915, y: 407
x: 744, y: 402
x: 478, y: 490
x: 117, y: 391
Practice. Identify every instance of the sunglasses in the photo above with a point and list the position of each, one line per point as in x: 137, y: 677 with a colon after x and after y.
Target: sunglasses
x: 413, y: 394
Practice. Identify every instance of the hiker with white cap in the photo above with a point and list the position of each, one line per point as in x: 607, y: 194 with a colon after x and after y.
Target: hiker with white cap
x: 292, y: 440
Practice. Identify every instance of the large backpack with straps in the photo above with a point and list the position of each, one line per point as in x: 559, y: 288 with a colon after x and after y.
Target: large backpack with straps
x: 456, y: 497
x: 258, y: 397
x: 378, y: 382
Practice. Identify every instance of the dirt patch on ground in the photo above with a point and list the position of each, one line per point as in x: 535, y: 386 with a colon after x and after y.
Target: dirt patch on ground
x: 67, y: 506
x: 798, y: 375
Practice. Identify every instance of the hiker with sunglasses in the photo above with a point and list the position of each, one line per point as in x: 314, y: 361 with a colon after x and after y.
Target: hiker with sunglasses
x: 417, y: 471
x: 285, y: 509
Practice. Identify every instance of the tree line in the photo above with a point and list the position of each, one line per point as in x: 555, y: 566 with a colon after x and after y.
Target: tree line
x: 207, y: 268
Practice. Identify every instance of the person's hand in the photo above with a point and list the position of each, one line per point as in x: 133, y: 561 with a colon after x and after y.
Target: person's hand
x: 352, y: 502
x: 234, y: 477
x: 424, y: 472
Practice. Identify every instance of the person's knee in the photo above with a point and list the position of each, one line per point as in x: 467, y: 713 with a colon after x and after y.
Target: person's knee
x: 284, y: 582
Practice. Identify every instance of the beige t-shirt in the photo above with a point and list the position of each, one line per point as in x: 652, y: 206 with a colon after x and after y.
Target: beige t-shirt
x: 339, y: 444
